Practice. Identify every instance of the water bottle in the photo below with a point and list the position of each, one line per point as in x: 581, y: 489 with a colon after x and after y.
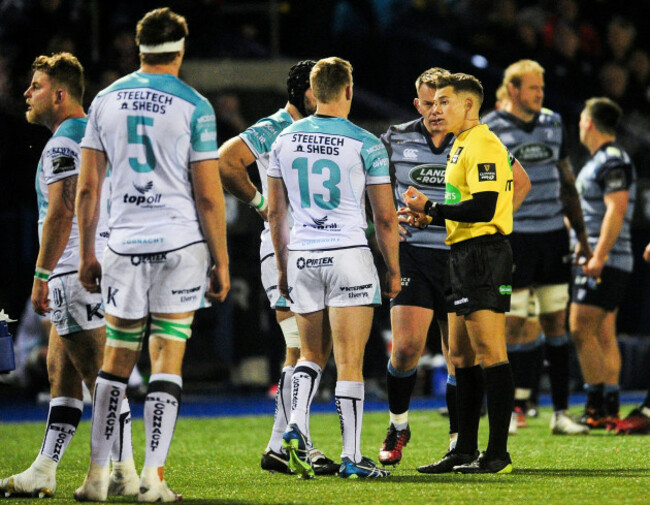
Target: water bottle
x: 7, y: 361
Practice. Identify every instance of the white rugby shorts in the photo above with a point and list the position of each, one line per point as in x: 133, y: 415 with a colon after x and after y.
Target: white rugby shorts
x: 167, y: 283
x: 334, y: 278
x: 73, y: 308
x: 269, y: 269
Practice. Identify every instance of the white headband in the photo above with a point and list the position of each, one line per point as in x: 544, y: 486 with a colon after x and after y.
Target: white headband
x: 165, y: 47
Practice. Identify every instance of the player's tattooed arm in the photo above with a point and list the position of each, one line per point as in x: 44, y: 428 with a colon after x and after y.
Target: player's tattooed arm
x: 69, y: 191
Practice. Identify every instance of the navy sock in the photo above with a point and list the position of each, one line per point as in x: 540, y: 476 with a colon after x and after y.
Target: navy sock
x: 558, y: 371
x: 400, y: 387
x: 469, y: 400
x: 452, y: 403
x: 500, y: 389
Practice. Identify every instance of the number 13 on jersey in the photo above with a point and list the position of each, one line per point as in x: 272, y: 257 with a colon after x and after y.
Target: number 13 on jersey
x: 327, y: 202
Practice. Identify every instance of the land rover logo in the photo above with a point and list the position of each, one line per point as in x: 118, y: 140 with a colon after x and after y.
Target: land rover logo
x: 428, y: 175
x: 533, y: 152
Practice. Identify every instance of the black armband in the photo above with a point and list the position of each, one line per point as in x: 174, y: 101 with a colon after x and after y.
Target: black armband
x: 480, y: 209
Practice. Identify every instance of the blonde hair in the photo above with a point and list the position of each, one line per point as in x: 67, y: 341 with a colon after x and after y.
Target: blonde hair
x: 515, y: 72
x: 328, y: 78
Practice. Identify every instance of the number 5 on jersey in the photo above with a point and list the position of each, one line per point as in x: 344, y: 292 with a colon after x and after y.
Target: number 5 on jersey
x: 132, y: 123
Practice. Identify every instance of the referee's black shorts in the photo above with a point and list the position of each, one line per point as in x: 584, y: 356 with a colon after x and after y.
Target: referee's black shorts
x: 425, y: 278
x: 481, y: 274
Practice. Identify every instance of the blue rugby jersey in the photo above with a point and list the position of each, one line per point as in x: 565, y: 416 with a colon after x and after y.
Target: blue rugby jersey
x: 415, y: 161
x: 610, y: 169
x: 538, y: 145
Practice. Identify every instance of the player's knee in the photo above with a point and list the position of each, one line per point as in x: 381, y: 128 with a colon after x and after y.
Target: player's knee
x: 125, y: 338
x: 405, y: 357
x: 178, y: 330
x: 293, y: 354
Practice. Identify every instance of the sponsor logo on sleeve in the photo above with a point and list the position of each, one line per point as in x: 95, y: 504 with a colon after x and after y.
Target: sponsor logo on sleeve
x: 208, y: 136
x: 62, y: 164
x: 487, y: 172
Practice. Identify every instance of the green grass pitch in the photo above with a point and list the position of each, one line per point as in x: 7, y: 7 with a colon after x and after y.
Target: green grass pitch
x: 217, y: 461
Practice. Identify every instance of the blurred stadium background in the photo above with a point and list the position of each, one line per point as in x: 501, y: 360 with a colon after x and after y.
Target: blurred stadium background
x: 238, y: 54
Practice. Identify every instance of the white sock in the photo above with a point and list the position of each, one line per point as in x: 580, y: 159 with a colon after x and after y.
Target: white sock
x: 310, y: 444
x: 349, y: 404
x: 122, y: 449
x: 62, y: 421
x: 282, y: 409
x: 160, y: 414
x: 303, y: 389
x: 107, y: 405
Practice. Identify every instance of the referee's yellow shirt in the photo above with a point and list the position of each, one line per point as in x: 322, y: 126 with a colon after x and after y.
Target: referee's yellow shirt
x: 479, y: 162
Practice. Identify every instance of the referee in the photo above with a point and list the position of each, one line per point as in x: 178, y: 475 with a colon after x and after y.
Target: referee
x: 480, y: 196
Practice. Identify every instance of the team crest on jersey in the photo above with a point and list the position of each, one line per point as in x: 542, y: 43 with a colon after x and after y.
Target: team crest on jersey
x: 487, y: 172
x: 454, y: 157
x: 411, y: 154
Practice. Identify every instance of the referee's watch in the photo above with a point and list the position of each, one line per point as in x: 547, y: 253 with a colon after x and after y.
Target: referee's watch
x: 431, y: 209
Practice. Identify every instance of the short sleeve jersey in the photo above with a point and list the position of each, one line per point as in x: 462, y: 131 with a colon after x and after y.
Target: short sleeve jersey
x: 61, y: 158
x: 326, y: 164
x: 479, y: 162
x: 151, y: 127
x: 538, y: 145
x: 609, y: 170
x: 416, y: 161
x: 259, y: 138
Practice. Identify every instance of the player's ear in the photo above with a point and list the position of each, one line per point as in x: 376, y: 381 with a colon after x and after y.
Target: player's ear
x: 59, y: 96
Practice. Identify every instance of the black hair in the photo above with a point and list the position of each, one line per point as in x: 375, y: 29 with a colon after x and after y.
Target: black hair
x: 298, y: 84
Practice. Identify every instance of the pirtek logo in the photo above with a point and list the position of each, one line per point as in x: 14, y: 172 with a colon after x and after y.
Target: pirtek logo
x: 148, y: 258
x: 315, y: 262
